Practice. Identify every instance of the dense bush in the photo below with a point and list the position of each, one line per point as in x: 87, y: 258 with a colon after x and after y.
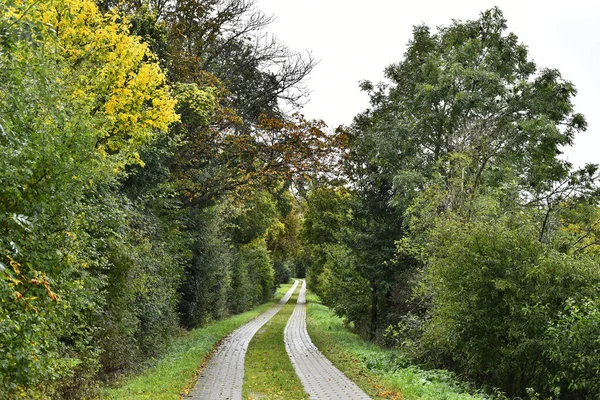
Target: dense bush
x: 505, y: 307
x: 145, y: 257
x: 573, y: 349
x: 102, y: 253
x: 206, y: 279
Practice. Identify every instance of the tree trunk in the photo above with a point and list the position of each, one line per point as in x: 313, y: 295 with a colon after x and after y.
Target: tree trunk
x: 373, y: 325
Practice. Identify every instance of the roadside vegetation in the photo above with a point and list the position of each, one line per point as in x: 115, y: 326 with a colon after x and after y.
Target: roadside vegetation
x: 465, y: 240
x: 382, y: 373
x: 268, y: 371
x: 173, y: 374
x: 132, y: 205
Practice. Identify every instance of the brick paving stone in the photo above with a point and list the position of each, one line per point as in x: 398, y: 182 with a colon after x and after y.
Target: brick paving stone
x: 320, y: 378
x: 223, y: 376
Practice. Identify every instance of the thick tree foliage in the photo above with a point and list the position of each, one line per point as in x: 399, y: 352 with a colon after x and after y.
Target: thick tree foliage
x: 467, y: 226
x: 145, y: 180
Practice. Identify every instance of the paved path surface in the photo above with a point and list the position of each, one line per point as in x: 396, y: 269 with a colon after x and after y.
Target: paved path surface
x: 223, y: 376
x: 320, y: 378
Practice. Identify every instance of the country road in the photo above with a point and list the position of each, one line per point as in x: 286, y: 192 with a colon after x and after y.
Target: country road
x: 223, y: 376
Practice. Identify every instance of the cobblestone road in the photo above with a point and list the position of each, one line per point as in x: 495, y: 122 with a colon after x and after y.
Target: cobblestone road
x: 320, y: 378
x: 223, y: 376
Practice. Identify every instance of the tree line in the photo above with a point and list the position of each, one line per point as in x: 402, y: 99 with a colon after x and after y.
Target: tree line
x: 145, y: 180
x: 461, y: 235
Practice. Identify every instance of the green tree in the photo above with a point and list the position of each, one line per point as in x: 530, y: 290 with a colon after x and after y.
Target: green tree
x: 65, y: 144
x: 471, y: 89
x: 283, y: 240
x: 326, y: 216
x: 466, y: 108
x: 207, y: 276
x: 462, y: 150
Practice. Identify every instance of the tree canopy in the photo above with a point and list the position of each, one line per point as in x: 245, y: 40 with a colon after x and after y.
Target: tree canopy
x: 463, y: 214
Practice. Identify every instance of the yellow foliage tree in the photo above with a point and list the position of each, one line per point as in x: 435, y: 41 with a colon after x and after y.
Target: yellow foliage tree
x: 115, y: 73
x: 79, y: 97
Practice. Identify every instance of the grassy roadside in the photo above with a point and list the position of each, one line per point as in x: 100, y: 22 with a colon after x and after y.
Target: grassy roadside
x: 269, y: 373
x: 381, y: 373
x: 175, y: 371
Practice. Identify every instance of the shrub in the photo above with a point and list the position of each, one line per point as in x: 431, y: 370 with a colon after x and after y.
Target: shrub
x: 499, y: 296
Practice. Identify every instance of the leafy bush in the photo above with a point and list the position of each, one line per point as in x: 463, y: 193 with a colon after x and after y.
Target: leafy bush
x: 501, y: 303
x: 206, y: 281
x: 573, y: 348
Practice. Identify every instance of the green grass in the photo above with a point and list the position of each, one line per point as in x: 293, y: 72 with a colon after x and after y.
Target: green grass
x: 269, y: 373
x: 174, y: 373
x: 381, y: 373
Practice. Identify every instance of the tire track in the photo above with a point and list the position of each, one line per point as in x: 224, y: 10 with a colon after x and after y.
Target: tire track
x: 320, y: 378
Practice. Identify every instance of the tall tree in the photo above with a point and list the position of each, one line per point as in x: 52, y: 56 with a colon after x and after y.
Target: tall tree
x: 80, y: 97
x: 227, y: 39
x: 471, y: 89
x: 466, y: 105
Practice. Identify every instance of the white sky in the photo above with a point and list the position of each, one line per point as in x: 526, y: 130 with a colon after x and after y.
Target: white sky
x: 356, y: 40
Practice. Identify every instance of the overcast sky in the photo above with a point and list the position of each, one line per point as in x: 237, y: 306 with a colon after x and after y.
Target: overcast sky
x: 356, y: 40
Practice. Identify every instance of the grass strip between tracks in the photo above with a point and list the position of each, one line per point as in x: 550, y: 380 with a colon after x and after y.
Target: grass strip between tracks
x: 381, y: 373
x: 174, y: 373
x: 269, y: 373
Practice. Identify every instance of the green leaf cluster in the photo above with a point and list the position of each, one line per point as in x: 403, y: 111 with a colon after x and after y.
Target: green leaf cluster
x: 465, y: 239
